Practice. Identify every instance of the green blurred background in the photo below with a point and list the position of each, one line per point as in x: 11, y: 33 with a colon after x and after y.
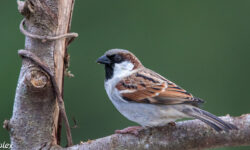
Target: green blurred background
x: 201, y: 45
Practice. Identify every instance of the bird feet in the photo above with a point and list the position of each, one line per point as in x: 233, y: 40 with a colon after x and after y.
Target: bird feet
x: 130, y: 130
x: 172, y: 124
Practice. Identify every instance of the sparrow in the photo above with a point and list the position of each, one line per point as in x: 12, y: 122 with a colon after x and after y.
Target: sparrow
x: 147, y: 98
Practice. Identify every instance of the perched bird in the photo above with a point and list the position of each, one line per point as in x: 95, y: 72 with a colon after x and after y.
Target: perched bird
x: 147, y: 98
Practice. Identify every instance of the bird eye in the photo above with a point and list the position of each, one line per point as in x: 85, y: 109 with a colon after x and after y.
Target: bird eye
x: 117, y: 58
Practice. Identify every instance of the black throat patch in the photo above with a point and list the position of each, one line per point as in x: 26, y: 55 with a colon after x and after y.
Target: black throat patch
x: 109, y: 71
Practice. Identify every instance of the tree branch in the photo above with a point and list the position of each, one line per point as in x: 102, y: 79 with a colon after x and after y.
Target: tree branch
x: 188, y: 135
x: 44, y: 67
x: 34, y: 122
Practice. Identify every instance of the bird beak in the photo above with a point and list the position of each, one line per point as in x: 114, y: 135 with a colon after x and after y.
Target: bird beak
x: 103, y: 60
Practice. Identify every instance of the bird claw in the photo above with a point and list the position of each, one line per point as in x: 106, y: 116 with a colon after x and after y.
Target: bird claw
x: 172, y: 124
x: 134, y: 130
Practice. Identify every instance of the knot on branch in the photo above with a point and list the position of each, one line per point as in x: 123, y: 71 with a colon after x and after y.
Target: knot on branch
x: 25, y: 8
x: 6, y: 125
x: 37, y: 78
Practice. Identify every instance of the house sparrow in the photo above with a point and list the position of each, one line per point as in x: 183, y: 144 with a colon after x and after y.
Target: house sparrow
x: 147, y: 98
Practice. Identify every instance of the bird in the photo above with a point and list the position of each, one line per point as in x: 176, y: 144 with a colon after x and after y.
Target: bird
x: 147, y: 98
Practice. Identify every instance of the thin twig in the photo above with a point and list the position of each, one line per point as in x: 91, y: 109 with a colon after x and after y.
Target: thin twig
x: 59, y: 128
x: 31, y: 56
x: 45, y: 38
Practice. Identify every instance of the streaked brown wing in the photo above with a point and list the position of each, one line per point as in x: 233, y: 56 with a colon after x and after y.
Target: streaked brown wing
x: 149, y: 87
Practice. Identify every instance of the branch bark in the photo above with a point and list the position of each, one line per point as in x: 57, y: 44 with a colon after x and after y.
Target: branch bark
x: 188, y: 135
x: 34, y: 122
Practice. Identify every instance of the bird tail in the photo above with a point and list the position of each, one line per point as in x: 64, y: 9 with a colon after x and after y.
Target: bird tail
x: 209, y: 119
